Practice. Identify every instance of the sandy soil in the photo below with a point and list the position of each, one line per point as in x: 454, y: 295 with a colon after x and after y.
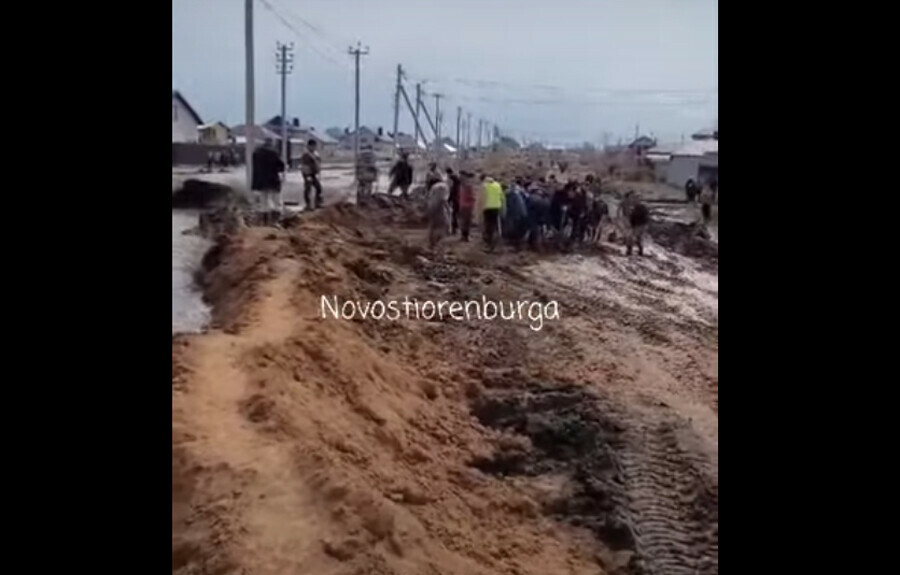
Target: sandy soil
x: 310, y: 445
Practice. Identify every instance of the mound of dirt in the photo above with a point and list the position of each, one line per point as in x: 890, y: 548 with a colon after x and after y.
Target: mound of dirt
x: 687, y: 239
x: 310, y: 444
x: 200, y: 194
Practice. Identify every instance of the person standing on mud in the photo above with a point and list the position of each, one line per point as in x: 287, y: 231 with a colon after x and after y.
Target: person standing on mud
x: 707, y: 196
x: 454, y: 184
x: 636, y: 218
x: 401, y: 176
x: 437, y: 212
x: 690, y: 190
x: 538, y: 205
x: 494, y: 202
x: 515, y: 221
x: 578, y: 206
x: 266, y: 182
x: 310, y: 168
x: 466, y: 204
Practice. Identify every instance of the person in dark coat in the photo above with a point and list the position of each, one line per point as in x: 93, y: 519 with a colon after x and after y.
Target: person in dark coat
x: 515, y: 220
x: 267, y: 183
x: 577, y: 213
x: 690, y: 190
x: 466, y: 204
x: 401, y: 175
x: 454, y: 182
x: 537, y: 202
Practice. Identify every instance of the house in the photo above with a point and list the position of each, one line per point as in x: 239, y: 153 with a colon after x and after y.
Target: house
x: 215, y: 134
x: 381, y: 141
x: 184, y: 119
x: 336, y: 133
x: 408, y: 144
x: 697, y: 160
x: 299, y: 136
x: 641, y: 144
x: 706, y: 134
x: 508, y: 143
x: 261, y: 135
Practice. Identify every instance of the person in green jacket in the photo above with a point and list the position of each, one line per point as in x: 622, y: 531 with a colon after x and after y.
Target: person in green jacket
x: 494, y: 202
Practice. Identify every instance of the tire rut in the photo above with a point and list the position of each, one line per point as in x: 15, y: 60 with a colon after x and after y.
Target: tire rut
x: 633, y: 484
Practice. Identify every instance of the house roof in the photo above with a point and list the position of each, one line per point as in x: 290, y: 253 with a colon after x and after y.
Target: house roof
x: 176, y: 95
x: 643, y: 141
x: 705, y: 134
x: 367, y: 131
x: 259, y: 132
x: 213, y: 124
x: 698, y: 148
x: 406, y: 141
x: 664, y: 149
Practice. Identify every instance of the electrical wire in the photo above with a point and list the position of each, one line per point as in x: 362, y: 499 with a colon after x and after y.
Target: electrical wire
x: 304, y: 39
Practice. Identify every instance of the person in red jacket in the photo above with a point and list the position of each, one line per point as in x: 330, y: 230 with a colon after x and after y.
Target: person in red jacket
x: 466, y: 204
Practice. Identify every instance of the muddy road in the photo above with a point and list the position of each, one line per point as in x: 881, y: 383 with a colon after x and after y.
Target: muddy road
x: 303, y: 444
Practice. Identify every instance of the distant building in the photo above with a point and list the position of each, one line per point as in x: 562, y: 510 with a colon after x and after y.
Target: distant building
x: 408, y: 144
x: 184, y: 120
x: 336, y: 133
x: 642, y: 144
x: 215, y: 134
x: 696, y: 160
x: 706, y: 134
x: 261, y: 135
x: 381, y: 142
x: 299, y: 136
x: 507, y: 143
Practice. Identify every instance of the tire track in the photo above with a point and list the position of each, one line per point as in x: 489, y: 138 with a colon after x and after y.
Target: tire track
x: 633, y: 483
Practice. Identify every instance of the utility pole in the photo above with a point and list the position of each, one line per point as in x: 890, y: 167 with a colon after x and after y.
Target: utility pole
x: 284, y: 65
x: 468, y: 132
x: 250, y: 104
x: 480, y: 123
x: 416, y: 117
x: 458, y: 127
x: 413, y: 113
x: 356, y: 53
x: 397, y: 106
x: 437, y: 125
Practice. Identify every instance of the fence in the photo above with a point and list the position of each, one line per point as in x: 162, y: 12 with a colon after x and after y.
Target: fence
x: 193, y: 154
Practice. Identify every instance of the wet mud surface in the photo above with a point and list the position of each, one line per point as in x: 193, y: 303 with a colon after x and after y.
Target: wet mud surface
x: 628, y: 481
x: 457, y: 448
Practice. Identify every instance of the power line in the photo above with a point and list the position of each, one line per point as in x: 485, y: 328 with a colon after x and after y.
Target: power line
x: 302, y: 38
x: 312, y: 27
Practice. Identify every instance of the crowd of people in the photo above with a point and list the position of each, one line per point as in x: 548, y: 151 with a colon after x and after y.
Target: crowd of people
x: 522, y: 211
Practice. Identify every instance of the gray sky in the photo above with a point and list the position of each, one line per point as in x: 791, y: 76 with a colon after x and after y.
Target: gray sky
x: 561, y: 70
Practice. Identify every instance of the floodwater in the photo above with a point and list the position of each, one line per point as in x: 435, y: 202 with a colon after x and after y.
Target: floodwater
x: 189, y: 313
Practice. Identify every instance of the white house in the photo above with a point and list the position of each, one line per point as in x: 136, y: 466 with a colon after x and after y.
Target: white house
x: 697, y: 160
x: 184, y: 120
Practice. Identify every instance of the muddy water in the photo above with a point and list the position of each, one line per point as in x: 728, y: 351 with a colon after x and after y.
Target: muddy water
x: 189, y: 313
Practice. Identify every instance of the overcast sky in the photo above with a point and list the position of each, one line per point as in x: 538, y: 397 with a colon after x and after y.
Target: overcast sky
x: 560, y: 70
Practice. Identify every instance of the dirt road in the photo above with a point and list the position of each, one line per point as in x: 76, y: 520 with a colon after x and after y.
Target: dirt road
x: 311, y: 445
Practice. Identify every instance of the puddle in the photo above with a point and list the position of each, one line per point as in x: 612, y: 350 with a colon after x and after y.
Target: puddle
x: 189, y: 313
